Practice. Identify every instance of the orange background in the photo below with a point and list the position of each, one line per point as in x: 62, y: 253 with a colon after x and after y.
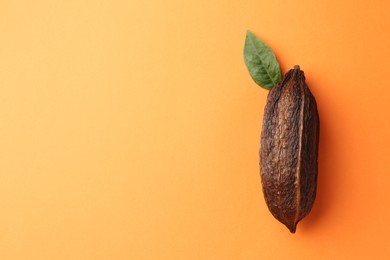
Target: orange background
x: 130, y: 129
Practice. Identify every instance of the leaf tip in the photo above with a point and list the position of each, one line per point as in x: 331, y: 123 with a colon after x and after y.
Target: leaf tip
x: 249, y: 33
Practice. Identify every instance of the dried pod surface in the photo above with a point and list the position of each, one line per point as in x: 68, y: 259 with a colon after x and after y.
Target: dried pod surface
x: 289, y: 149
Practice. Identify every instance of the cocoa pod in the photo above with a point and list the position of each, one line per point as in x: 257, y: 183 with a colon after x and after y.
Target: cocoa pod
x: 289, y: 149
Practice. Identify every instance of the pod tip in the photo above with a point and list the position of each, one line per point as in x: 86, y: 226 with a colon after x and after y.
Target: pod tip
x: 296, y: 67
x: 292, y: 228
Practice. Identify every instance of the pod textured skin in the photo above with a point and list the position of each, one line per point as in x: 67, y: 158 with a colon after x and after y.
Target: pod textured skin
x: 289, y: 149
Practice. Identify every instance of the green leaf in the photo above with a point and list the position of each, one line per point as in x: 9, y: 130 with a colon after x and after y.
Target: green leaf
x: 261, y: 62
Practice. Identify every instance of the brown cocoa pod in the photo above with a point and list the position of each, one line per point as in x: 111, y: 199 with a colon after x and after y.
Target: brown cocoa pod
x: 289, y: 149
